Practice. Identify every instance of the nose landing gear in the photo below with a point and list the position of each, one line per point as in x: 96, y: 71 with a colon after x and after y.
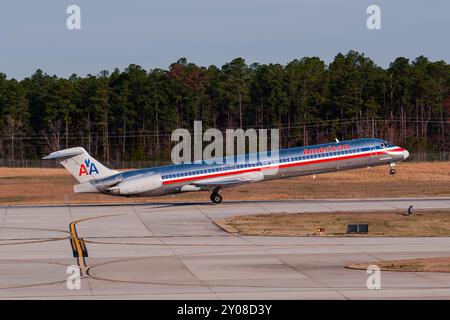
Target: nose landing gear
x: 392, y: 171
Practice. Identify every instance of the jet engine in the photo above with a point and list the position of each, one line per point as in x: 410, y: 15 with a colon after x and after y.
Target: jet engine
x: 136, y: 185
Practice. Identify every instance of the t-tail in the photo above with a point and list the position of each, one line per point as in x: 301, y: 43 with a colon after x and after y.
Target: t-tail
x: 81, y: 165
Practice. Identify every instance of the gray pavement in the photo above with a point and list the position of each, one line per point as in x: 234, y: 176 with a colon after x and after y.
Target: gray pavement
x: 174, y: 251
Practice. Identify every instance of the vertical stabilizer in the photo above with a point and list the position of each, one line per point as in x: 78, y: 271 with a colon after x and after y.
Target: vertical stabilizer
x: 81, y: 165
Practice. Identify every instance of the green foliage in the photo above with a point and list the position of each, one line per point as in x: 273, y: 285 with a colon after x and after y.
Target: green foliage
x: 130, y: 114
x: 138, y: 154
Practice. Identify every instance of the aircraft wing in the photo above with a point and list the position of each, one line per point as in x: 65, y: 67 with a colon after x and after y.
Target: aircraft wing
x: 229, y: 181
x: 218, y: 183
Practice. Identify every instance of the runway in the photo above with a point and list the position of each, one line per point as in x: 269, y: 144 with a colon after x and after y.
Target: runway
x: 175, y: 251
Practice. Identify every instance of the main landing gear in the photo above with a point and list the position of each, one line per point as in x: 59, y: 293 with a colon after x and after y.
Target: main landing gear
x: 392, y: 171
x: 216, y: 197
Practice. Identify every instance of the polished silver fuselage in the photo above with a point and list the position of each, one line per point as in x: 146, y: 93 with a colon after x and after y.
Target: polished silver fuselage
x: 229, y: 172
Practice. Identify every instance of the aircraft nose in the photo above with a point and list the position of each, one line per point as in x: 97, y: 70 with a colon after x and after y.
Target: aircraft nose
x: 405, y: 154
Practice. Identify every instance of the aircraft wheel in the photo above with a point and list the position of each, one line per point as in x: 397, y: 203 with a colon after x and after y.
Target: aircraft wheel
x: 392, y: 171
x: 216, y: 198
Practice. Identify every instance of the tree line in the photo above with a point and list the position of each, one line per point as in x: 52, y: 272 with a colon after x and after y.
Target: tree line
x: 129, y: 115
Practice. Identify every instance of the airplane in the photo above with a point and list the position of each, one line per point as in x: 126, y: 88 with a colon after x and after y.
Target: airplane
x: 93, y: 177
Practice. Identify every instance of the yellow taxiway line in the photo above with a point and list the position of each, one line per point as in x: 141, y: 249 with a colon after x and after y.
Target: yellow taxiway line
x: 78, y: 244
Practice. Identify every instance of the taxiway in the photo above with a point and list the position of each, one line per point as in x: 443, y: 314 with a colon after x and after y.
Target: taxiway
x: 175, y: 251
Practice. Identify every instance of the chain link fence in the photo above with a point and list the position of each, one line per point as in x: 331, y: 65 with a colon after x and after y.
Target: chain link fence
x: 413, y: 157
x: 55, y: 164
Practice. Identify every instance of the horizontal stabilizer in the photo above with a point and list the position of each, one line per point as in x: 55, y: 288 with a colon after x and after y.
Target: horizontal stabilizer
x: 64, y: 153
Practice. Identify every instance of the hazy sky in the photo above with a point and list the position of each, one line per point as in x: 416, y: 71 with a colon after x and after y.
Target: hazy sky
x: 155, y: 33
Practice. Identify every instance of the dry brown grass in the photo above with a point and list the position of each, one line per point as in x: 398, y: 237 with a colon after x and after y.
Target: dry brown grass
x: 420, y: 224
x: 439, y: 264
x: 19, y: 185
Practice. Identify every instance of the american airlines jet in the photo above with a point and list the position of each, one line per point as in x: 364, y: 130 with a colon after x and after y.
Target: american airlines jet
x: 94, y: 177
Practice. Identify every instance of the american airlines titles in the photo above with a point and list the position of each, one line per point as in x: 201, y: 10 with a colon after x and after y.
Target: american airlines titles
x: 326, y: 149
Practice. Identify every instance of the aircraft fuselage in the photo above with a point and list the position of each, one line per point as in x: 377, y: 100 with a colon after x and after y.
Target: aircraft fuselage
x: 291, y: 162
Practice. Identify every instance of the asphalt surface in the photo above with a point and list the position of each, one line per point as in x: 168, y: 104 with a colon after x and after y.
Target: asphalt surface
x: 175, y: 251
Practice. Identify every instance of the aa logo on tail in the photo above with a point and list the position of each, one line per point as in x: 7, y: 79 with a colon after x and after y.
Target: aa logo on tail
x: 87, y: 168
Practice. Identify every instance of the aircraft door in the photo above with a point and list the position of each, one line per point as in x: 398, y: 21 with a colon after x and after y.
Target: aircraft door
x: 373, y: 155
